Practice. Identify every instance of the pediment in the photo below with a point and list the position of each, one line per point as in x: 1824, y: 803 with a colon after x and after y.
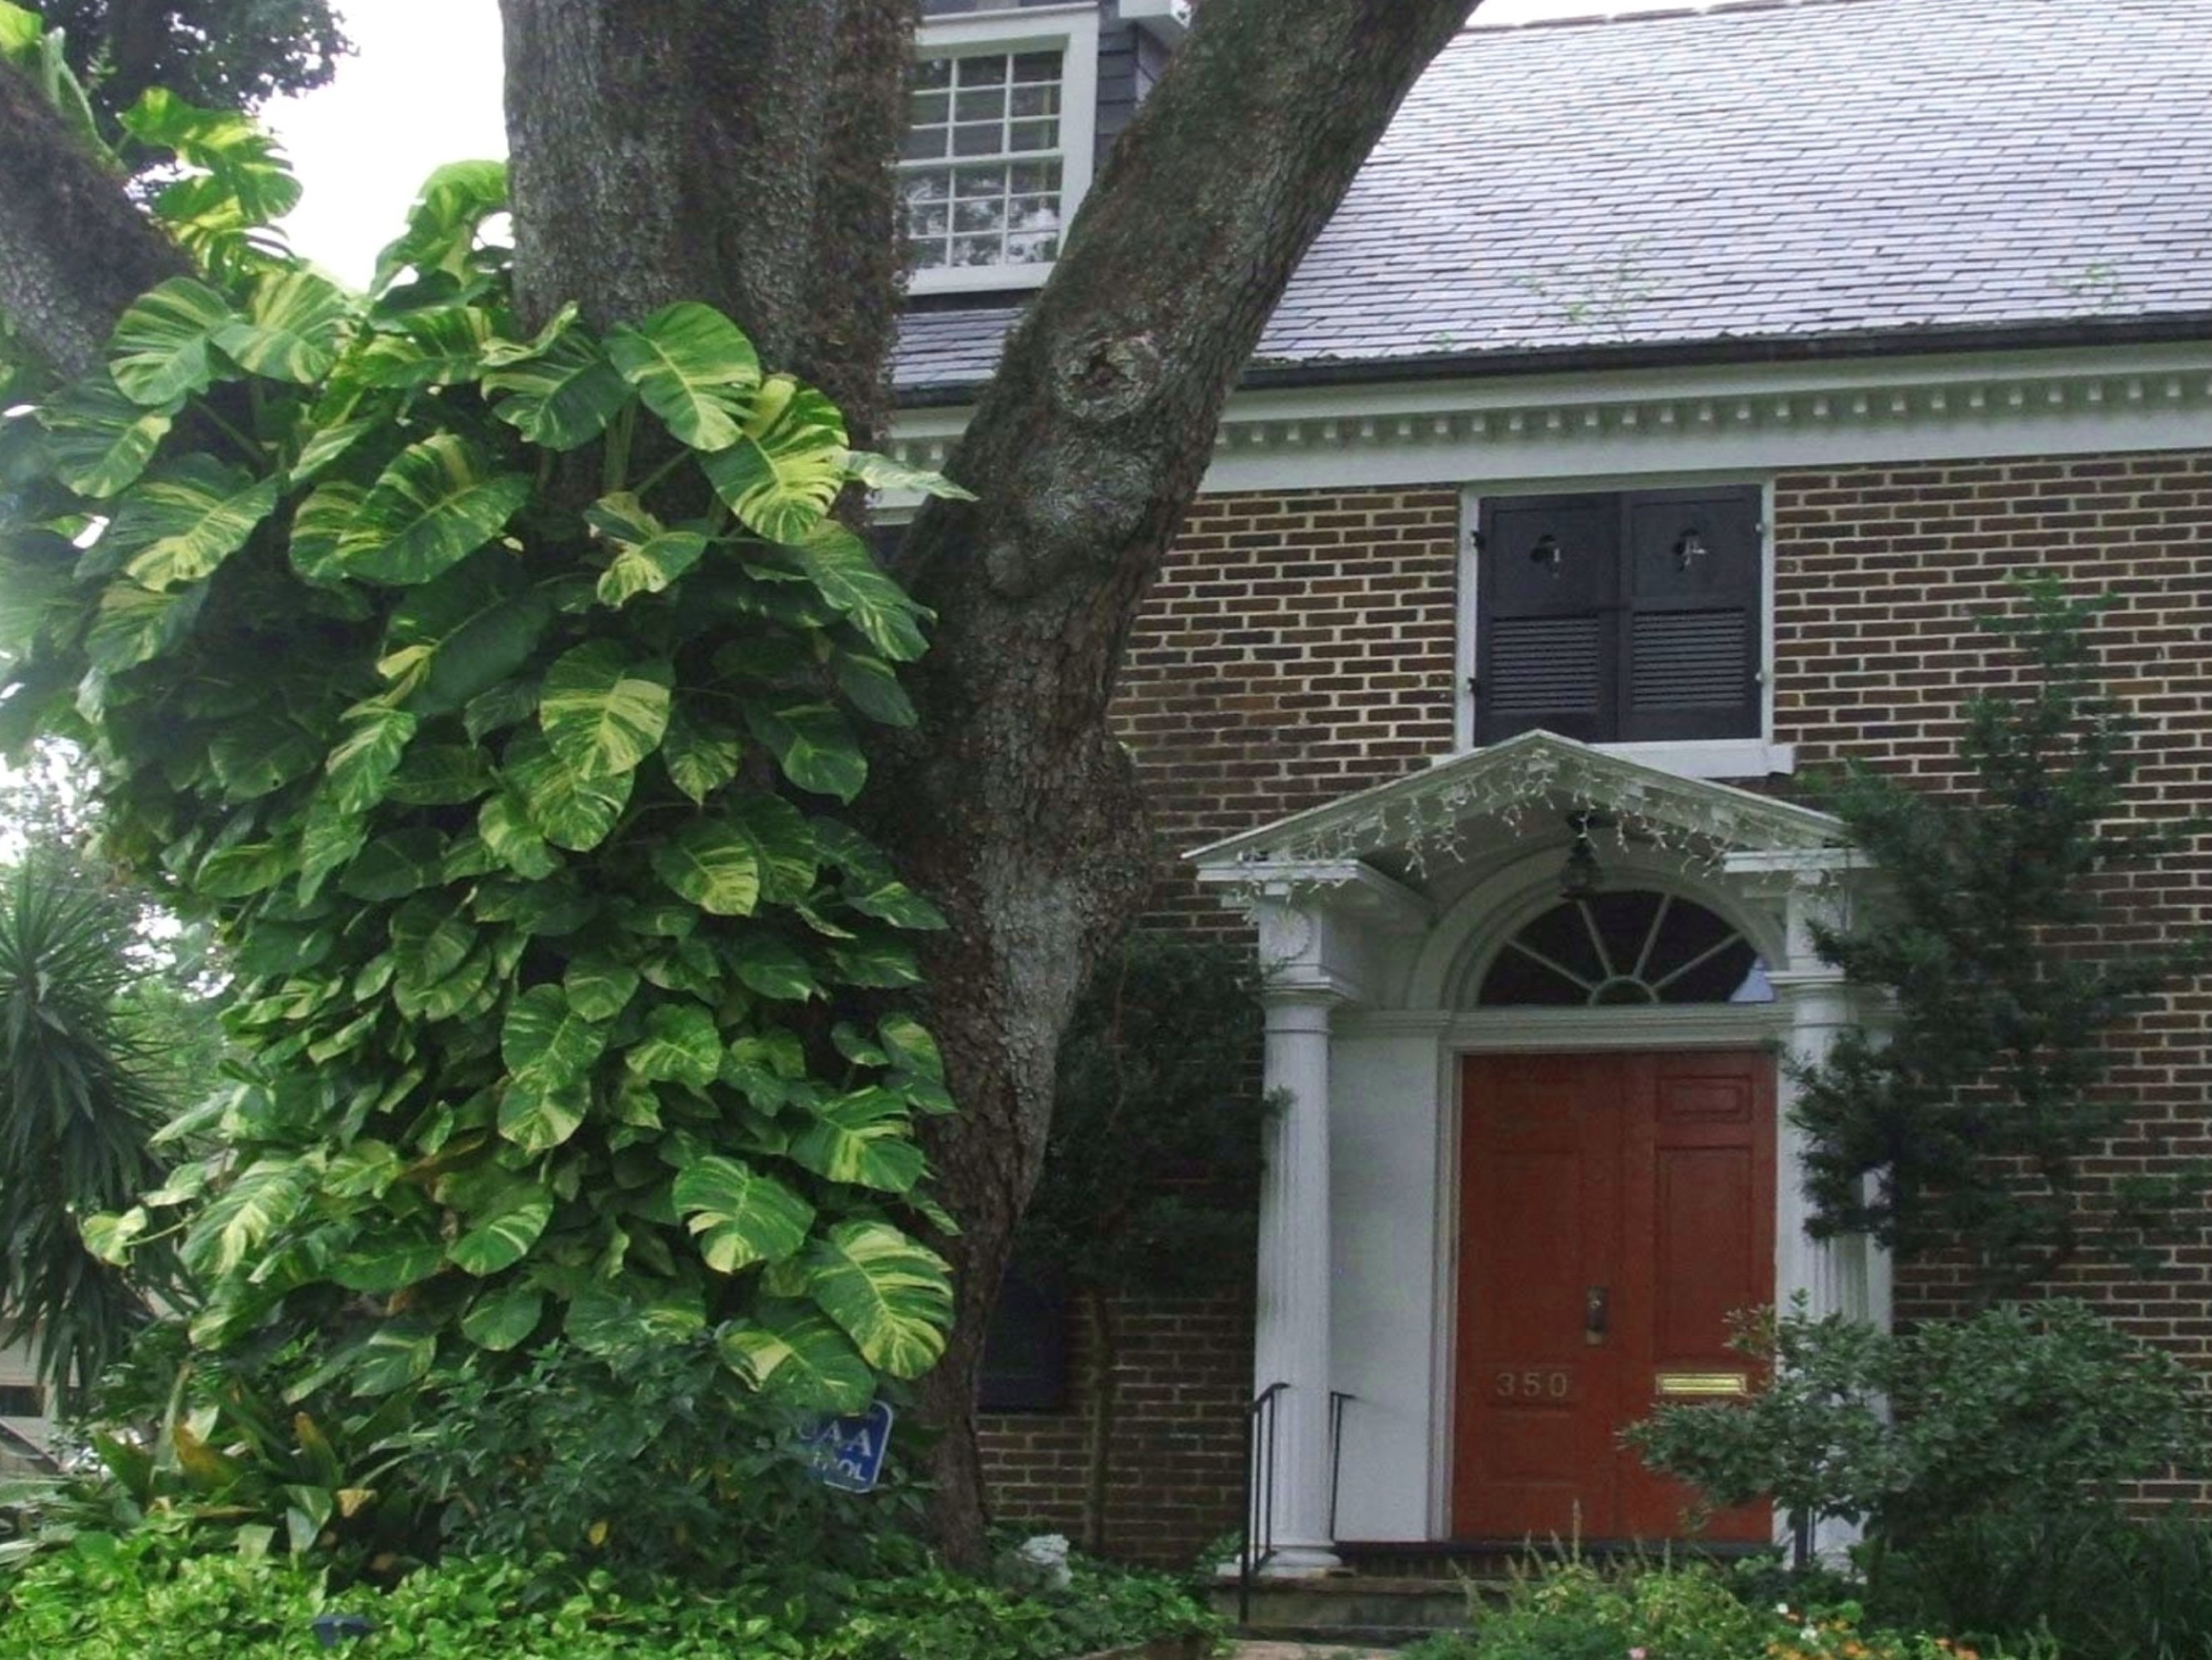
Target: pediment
x: 1534, y: 777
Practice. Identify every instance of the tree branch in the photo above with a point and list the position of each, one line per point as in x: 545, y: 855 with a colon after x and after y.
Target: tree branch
x: 74, y: 251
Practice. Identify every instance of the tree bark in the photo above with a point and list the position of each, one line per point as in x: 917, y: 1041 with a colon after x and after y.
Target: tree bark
x: 858, y: 252
x: 662, y: 151
x: 73, y: 252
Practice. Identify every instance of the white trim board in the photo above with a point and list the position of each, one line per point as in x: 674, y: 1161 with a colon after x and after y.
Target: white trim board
x: 1756, y: 418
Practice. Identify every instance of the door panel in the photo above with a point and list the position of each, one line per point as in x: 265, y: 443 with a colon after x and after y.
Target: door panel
x: 1617, y: 1209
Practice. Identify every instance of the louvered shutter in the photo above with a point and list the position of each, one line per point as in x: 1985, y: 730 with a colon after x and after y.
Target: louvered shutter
x: 1689, y: 643
x: 1547, y: 647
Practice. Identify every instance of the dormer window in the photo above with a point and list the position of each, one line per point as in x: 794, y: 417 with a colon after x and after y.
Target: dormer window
x: 998, y: 149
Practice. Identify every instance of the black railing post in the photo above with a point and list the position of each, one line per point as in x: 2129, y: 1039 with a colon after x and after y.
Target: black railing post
x: 1336, y: 1400
x: 1259, y: 1495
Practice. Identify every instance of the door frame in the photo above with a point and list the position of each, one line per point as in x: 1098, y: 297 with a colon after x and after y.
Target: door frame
x: 1762, y: 1027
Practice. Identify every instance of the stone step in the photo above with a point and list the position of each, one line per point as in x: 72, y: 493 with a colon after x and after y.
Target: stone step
x: 1349, y: 1608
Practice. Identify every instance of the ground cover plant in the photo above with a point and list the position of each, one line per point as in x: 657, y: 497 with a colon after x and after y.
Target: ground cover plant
x: 146, y: 1598
x: 1578, y: 1610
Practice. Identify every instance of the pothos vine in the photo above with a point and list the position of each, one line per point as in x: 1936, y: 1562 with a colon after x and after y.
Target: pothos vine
x: 515, y: 804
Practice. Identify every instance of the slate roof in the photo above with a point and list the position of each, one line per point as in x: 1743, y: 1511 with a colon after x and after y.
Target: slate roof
x: 1774, y: 173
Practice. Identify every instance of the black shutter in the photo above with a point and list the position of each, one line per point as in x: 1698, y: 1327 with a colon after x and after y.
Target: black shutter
x: 1025, y: 1350
x: 1547, y: 601
x: 1689, y: 651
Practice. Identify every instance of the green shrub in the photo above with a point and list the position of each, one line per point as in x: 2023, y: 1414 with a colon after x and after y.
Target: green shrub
x: 2040, y: 1408
x: 147, y: 1596
x: 2104, y: 1587
x: 656, y: 1465
x: 1581, y: 1612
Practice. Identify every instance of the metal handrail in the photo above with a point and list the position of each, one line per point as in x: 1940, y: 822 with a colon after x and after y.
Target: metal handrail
x: 1336, y: 1400
x: 1259, y: 1494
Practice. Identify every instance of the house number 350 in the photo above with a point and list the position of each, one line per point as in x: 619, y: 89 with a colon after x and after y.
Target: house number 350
x: 1532, y: 1386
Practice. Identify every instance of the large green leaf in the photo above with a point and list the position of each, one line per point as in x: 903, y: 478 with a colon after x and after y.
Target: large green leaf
x: 772, y: 966
x: 694, y: 368
x: 319, y: 527
x: 437, y: 503
x: 477, y: 623
x: 360, y: 768
x: 814, y: 744
x: 599, y: 988
x: 161, y: 349
x: 246, y: 170
x: 545, y: 1044
x: 890, y: 1294
x: 501, y: 1235
x: 431, y: 937
x: 701, y: 756
x: 393, y: 867
x: 440, y: 347
x: 872, y: 687
x: 501, y: 1319
x: 781, y: 475
x: 293, y: 325
x: 538, y: 1121
x: 796, y: 1356
x: 100, y: 440
x: 441, y: 225
x: 263, y: 1197
x: 134, y: 623
x: 714, y: 867
x: 681, y: 1045
x: 383, y: 1264
x: 567, y: 809
x: 740, y: 1216
x: 883, y: 473
x: 394, y: 1357
x: 601, y: 712
x: 630, y: 1313
x: 647, y: 557
x: 564, y: 394
x: 176, y: 526
x: 504, y: 823
x: 863, y: 1138
x: 841, y: 566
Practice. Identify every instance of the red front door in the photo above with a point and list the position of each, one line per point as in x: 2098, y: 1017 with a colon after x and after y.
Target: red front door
x: 1617, y: 1208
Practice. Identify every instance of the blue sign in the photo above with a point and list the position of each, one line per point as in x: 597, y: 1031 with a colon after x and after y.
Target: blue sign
x: 848, y: 1453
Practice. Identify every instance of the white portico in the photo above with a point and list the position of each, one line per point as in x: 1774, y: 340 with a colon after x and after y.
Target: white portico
x: 1604, y: 920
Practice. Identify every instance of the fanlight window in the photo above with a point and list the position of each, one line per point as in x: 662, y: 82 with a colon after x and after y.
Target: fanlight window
x: 1613, y: 949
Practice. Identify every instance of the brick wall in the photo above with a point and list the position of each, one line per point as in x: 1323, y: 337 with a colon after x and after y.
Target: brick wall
x: 1300, y: 645
x: 1175, y: 1464
x: 1881, y: 571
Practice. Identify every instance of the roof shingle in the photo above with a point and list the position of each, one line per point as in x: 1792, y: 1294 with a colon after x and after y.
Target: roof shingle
x: 1761, y: 172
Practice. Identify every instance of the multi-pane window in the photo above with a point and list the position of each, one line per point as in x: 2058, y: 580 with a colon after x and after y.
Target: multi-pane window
x: 983, y: 167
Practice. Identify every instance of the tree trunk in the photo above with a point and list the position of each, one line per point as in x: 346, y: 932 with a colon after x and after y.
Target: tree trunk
x: 1013, y: 805
x: 73, y: 252
x: 667, y: 150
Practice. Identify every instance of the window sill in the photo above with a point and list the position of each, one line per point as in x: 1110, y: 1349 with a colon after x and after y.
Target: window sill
x: 978, y: 279
x: 1707, y: 758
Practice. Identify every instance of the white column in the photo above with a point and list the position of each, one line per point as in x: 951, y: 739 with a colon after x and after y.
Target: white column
x: 1847, y: 1276
x: 1291, y: 1344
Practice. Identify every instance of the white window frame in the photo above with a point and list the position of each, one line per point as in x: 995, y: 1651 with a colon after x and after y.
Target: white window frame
x: 1071, y: 30
x: 1759, y: 756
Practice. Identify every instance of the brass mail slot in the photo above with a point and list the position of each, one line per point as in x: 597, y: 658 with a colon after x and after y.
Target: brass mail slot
x: 1677, y: 1384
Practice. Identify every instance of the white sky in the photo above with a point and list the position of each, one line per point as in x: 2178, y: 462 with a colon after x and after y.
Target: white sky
x: 423, y: 89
